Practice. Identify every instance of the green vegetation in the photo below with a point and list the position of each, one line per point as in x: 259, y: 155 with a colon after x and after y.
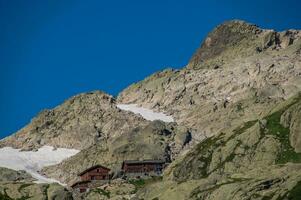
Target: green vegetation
x: 239, y: 107
x: 45, y: 190
x: 4, y: 196
x: 295, y: 193
x: 198, y: 191
x: 24, y: 186
x: 103, y: 192
x: 246, y: 126
x: 287, y: 152
x: 138, y: 183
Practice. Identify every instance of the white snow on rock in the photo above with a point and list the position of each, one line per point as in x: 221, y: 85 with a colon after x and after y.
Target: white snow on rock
x: 33, y: 161
x: 145, y: 113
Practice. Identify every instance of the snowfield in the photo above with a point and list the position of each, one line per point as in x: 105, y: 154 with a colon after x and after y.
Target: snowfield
x: 145, y: 113
x: 33, y: 161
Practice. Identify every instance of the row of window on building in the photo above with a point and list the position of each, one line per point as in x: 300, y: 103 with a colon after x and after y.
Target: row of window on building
x: 98, y: 174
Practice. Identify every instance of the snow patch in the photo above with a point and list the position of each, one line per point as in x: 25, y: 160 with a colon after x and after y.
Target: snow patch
x: 146, y: 113
x: 33, y: 161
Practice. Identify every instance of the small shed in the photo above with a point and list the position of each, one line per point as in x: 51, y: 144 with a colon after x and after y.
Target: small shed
x: 143, y: 166
x: 97, y: 172
x: 81, y: 186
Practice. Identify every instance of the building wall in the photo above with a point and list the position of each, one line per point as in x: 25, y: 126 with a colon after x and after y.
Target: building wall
x: 81, y: 187
x: 141, y: 168
x: 96, y: 174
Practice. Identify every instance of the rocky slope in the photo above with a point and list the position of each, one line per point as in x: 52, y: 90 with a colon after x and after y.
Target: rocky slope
x: 105, y: 134
x: 238, y: 74
x: 155, y: 140
x: 258, y: 160
x: 78, y: 123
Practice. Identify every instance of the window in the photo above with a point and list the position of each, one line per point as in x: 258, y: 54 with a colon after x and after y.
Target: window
x: 81, y: 190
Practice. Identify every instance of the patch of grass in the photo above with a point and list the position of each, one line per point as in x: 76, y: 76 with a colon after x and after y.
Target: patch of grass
x: 103, y: 192
x: 138, y: 183
x: 239, y: 130
x: 246, y: 126
x: 295, y: 193
x: 5, y: 197
x: 239, y: 107
x: 45, y: 190
x: 287, y: 153
x: 197, y: 191
x: 24, y: 186
x: 154, y: 179
x: 24, y: 198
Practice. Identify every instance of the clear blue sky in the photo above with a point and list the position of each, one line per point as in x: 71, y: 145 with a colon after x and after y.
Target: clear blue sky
x: 51, y: 50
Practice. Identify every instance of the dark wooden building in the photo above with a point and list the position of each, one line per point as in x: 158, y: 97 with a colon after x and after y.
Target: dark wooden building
x: 81, y: 186
x: 143, y: 166
x: 97, y: 172
x: 91, y: 177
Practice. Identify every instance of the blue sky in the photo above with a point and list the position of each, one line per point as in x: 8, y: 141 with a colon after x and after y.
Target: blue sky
x: 51, y: 50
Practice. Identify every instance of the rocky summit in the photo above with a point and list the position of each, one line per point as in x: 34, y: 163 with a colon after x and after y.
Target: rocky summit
x: 234, y: 130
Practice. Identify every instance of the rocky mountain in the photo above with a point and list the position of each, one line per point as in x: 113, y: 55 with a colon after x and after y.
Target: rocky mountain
x: 238, y: 74
x: 79, y: 122
x: 236, y: 134
x: 92, y: 122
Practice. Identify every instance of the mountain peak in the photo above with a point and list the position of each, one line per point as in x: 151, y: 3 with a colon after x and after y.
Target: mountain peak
x: 228, y: 34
